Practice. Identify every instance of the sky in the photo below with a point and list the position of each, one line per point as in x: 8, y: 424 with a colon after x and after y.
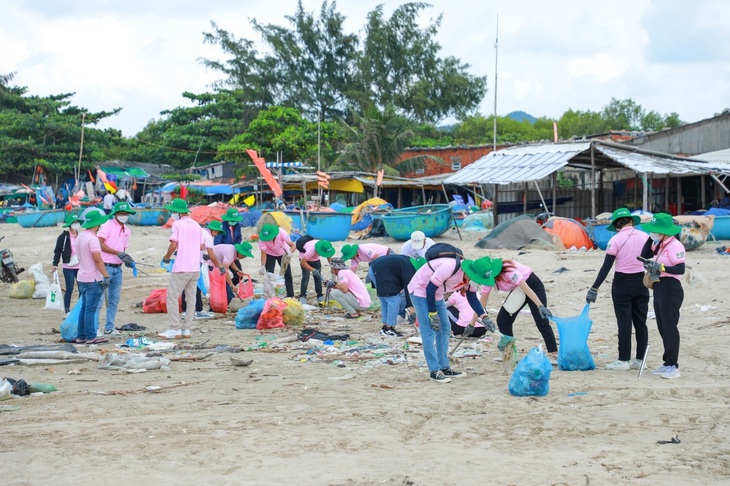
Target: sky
x: 666, y: 55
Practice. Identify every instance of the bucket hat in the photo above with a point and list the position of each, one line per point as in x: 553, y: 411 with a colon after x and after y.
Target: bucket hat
x: 215, y: 225
x: 244, y: 248
x: 268, y: 232
x: 418, y: 262
x: 178, y: 205
x: 70, y: 219
x: 94, y: 218
x: 483, y: 270
x: 122, y: 207
x: 349, y: 251
x: 663, y: 224
x: 622, y: 213
x: 232, y: 215
x: 324, y: 248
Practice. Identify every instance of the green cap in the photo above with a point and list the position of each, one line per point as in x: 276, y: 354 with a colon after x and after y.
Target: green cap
x: 268, y: 232
x: 244, y: 249
x: 178, y: 205
x: 215, y: 225
x: 349, y: 251
x: 94, y: 218
x: 622, y: 213
x: 483, y: 270
x: 663, y: 224
x: 70, y: 219
x: 122, y: 207
x: 232, y: 215
x: 324, y: 248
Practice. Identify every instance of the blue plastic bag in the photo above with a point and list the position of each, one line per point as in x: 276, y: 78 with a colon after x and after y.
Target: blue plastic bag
x: 573, y: 331
x: 70, y: 325
x: 247, y: 317
x: 531, y: 377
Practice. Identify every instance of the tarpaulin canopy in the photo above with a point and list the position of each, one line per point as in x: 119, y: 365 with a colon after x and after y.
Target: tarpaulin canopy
x: 206, y: 187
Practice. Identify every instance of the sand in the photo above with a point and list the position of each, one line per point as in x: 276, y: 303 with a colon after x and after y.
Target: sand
x: 287, y: 420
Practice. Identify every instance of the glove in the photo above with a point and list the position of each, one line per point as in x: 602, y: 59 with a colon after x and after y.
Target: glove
x: 206, y: 257
x: 262, y: 270
x: 126, y: 258
x: 317, y: 274
x: 653, y: 267
x: 435, y: 320
x: 330, y: 284
x: 488, y: 324
x: 222, y: 269
x: 105, y: 282
x: 468, y: 331
x: 544, y: 312
x: 412, y: 318
x: 165, y: 264
x: 591, y: 295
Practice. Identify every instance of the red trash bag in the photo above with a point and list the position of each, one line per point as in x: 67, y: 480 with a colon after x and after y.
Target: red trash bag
x: 245, y: 286
x: 218, y: 295
x: 156, y: 302
x: 272, y: 317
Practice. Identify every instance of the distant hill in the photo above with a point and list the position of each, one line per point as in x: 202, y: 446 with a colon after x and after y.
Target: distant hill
x: 521, y: 115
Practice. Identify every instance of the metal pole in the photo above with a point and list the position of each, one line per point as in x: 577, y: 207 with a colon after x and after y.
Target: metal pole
x: 547, y: 210
x: 81, y: 151
x: 555, y: 192
x: 644, y: 192
x: 495, y: 205
x: 496, y: 56
x: 451, y: 213
x: 593, y: 184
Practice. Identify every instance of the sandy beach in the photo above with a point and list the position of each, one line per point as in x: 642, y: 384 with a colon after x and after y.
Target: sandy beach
x: 297, y: 418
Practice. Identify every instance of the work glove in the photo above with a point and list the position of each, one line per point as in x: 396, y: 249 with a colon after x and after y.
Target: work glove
x: 126, y: 258
x: 262, y: 270
x: 591, y: 295
x: 330, y: 284
x: 222, y: 269
x: 435, y: 320
x: 105, y: 282
x: 468, y: 331
x: 317, y: 274
x: 166, y: 264
x: 544, y: 312
x: 653, y: 267
x: 206, y: 257
x: 488, y: 324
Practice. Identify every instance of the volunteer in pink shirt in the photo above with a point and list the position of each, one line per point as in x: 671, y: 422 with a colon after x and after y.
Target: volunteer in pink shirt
x: 114, y: 239
x: 65, y: 253
x: 186, y: 241
x: 460, y: 315
x: 630, y: 296
x: 363, y: 253
x: 310, y: 251
x: 93, y: 278
x: 348, y: 290
x: 508, y: 276
x: 427, y: 289
x: 667, y: 256
x: 276, y: 246
x: 227, y: 256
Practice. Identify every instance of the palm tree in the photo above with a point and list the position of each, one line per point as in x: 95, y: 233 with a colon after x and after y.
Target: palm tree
x: 376, y: 141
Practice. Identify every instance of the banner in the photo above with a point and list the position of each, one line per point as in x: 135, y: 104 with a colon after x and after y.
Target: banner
x: 265, y: 173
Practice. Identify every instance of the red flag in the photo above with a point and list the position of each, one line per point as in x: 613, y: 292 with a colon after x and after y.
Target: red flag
x: 183, y: 191
x: 379, y: 181
x: 265, y: 172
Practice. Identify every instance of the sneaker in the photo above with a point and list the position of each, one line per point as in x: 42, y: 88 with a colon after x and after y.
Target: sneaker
x: 202, y: 315
x: 635, y: 364
x: 112, y: 332
x: 100, y: 332
x: 186, y: 333
x: 453, y: 373
x: 389, y: 331
x: 671, y: 372
x: 439, y: 377
x: 303, y: 300
x: 660, y: 371
x: 619, y: 365
x: 170, y: 334
x: 320, y: 301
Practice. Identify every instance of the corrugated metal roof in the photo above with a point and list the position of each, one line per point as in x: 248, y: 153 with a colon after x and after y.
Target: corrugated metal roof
x: 518, y: 164
x: 722, y: 156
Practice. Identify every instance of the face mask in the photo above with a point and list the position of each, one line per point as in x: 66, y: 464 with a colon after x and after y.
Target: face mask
x: 232, y: 223
x: 656, y: 238
x: 76, y: 226
x: 122, y: 219
x: 175, y: 216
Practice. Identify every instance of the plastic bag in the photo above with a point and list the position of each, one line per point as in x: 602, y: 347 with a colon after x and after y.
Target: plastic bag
x: 202, y: 281
x: 42, y: 282
x: 54, y: 299
x: 531, y: 377
x: 247, y: 317
x: 573, y: 331
x: 245, y: 287
x: 218, y: 294
x: 156, y: 302
x: 22, y: 290
x: 272, y: 316
x: 70, y: 325
x: 293, y: 313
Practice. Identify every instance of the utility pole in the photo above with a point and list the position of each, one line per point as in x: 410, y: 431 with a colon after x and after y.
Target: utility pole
x: 496, y: 55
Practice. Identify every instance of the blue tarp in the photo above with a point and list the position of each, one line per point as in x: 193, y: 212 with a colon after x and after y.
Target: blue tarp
x: 207, y: 190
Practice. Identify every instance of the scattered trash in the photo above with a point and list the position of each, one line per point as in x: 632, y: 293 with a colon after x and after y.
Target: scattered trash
x: 674, y: 440
x: 241, y: 362
x: 114, y: 361
x: 561, y: 270
x: 577, y: 394
x: 705, y: 308
x: 532, y: 375
x: 131, y: 327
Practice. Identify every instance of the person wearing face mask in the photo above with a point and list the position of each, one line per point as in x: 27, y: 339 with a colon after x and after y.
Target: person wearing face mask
x: 65, y: 253
x: 667, y: 257
x: 630, y: 296
x: 114, y: 239
x: 230, y: 234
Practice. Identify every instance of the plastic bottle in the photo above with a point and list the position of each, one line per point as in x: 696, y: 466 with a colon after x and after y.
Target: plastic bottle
x: 42, y: 387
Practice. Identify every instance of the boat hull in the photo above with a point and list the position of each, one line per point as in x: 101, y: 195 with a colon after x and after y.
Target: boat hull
x: 433, y: 220
x: 40, y: 219
x: 322, y: 225
x: 721, y: 228
x: 149, y: 217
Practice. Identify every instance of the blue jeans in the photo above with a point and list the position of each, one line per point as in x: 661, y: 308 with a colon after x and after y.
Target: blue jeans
x: 91, y: 293
x: 69, y: 275
x: 112, y: 294
x: 435, y: 343
x: 389, y: 307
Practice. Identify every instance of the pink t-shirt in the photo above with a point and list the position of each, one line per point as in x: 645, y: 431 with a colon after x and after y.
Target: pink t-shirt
x: 278, y: 246
x: 465, y: 311
x: 86, y: 244
x: 115, y: 236
x: 511, y: 276
x: 207, y: 242
x: 626, y: 245
x: 440, y: 275
x: 355, y: 286
x: 367, y: 253
x: 225, y: 253
x: 73, y: 251
x: 671, y: 253
x: 188, y: 235
x: 310, y: 253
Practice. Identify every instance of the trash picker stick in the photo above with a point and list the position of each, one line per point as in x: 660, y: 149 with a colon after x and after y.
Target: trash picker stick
x: 643, y: 361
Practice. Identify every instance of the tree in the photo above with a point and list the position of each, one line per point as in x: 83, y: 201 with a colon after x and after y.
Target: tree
x: 376, y: 141
x: 580, y: 124
x: 622, y: 115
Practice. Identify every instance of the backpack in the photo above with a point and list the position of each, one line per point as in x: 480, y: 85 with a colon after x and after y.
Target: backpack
x: 442, y: 250
x: 303, y: 240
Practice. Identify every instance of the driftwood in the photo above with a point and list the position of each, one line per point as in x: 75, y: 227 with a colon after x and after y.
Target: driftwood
x: 191, y: 358
x: 59, y: 355
x: 241, y: 362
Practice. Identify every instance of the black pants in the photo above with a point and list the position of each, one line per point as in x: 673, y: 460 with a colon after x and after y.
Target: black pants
x: 271, y: 262
x: 316, y: 264
x: 668, y: 298
x: 630, y: 304
x: 198, y: 300
x: 453, y: 313
x: 505, y: 321
x: 236, y: 267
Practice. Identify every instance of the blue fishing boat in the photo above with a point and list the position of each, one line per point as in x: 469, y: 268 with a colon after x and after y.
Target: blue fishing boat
x: 721, y: 228
x: 321, y: 225
x: 149, y: 217
x: 40, y: 219
x: 433, y: 220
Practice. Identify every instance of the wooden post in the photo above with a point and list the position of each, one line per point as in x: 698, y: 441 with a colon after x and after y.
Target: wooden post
x: 554, y: 178
x: 400, y: 197
x: 423, y: 193
x: 703, y: 193
x: 600, y: 192
x: 679, y: 195
x: 666, y: 193
x: 495, y: 211
x: 593, y: 184
x: 524, y: 201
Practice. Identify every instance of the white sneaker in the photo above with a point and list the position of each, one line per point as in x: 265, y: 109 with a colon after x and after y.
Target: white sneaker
x: 660, y: 371
x: 671, y: 372
x: 100, y: 332
x: 619, y: 365
x: 202, y: 315
x: 170, y: 334
x: 303, y: 300
x: 186, y: 333
x: 113, y: 332
x: 635, y: 364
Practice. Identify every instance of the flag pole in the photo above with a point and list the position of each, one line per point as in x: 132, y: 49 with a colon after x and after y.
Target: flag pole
x: 496, y: 55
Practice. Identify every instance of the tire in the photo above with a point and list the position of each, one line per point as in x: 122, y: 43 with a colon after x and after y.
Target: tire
x: 13, y: 275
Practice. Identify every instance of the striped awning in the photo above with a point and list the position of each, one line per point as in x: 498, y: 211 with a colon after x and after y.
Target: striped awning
x: 279, y: 165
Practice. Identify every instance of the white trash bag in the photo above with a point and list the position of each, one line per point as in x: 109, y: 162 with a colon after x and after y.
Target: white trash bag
x: 54, y: 299
x: 42, y: 282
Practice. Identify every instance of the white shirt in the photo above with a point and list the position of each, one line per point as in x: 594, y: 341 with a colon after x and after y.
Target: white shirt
x: 109, y: 201
x: 415, y: 253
